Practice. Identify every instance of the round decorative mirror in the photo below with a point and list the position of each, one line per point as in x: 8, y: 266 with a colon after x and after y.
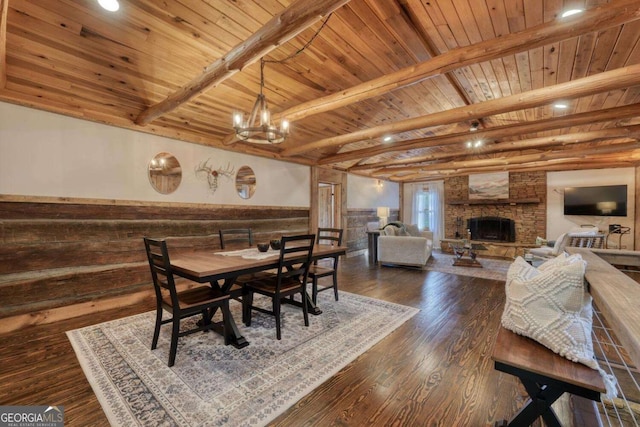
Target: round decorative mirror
x: 245, y: 182
x: 165, y: 173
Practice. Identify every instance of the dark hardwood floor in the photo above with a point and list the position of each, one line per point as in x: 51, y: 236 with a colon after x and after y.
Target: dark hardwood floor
x: 435, y: 370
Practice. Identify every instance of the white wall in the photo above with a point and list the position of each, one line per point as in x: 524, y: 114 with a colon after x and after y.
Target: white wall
x: 365, y: 193
x: 46, y: 154
x: 558, y: 223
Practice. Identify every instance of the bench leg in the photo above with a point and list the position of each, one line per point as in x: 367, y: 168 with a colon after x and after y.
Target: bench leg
x: 539, y: 405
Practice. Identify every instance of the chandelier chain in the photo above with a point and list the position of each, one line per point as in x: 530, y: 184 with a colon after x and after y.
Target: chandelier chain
x: 302, y: 49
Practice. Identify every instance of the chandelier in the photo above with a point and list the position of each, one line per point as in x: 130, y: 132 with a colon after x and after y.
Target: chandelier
x: 259, y: 129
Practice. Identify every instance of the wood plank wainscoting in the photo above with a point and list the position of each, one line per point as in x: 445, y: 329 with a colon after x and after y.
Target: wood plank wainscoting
x: 61, y: 258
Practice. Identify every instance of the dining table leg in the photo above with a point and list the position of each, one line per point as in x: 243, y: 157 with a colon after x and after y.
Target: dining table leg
x: 311, y: 307
x: 234, y: 335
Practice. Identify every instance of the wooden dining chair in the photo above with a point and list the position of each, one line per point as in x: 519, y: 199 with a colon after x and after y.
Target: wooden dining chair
x: 327, y: 236
x: 237, y: 237
x: 181, y: 304
x: 289, y: 280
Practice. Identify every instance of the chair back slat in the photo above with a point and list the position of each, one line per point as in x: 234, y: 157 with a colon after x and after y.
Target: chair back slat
x: 236, y: 237
x: 295, y: 257
x: 330, y: 236
x: 160, y: 265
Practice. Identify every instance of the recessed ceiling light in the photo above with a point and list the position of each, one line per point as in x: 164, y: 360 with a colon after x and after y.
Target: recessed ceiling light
x: 560, y: 106
x: 387, y: 138
x: 571, y: 12
x: 469, y: 144
x: 110, y: 5
x: 477, y: 144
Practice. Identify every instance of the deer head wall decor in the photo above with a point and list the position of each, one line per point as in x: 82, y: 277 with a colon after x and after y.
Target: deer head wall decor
x: 206, y: 171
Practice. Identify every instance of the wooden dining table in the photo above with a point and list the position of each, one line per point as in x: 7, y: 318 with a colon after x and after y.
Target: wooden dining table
x: 221, y: 271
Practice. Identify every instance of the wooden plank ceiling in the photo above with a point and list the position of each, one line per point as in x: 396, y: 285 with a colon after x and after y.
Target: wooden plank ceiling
x: 418, y: 72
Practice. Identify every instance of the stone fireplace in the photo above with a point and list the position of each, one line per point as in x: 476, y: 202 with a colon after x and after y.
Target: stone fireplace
x: 525, y: 210
x: 492, y: 228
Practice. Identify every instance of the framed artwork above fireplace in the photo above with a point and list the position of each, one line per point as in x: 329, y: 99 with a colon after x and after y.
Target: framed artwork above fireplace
x: 489, y: 186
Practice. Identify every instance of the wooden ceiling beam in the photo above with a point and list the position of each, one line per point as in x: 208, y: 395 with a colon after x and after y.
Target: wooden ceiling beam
x: 445, y: 162
x: 616, y: 160
x: 610, y: 114
x: 506, y: 146
x: 280, y: 29
x: 4, y: 10
x: 560, y: 165
x: 598, y: 83
x: 512, y: 160
x: 596, y: 19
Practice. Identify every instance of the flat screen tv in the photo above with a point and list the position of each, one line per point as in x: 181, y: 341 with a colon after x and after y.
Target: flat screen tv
x: 605, y: 200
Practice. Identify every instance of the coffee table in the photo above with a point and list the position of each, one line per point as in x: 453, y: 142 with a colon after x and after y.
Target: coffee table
x: 470, y: 260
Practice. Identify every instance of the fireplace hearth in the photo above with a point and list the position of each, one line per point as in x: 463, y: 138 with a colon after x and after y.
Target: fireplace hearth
x: 491, y: 228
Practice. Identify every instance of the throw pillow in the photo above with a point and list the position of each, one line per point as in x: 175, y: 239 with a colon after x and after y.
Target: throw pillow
x: 557, y: 247
x: 553, y: 307
x: 402, y: 232
x: 584, y: 231
x: 413, y: 230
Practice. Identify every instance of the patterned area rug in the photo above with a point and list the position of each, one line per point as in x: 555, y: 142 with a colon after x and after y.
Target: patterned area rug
x: 491, y: 268
x: 218, y: 385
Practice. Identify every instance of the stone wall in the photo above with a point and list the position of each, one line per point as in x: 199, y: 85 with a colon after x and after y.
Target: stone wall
x: 357, y: 220
x: 530, y: 218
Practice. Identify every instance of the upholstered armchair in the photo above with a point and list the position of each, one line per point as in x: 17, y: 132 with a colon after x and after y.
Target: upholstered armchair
x: 581, y: 237
x: 401, y: 244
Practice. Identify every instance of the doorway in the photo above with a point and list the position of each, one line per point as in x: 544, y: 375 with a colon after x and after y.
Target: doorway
x: 328, y: 198
x: 326, y: 205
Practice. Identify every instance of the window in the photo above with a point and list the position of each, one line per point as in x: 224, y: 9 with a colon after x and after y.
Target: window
x: 427, y: 210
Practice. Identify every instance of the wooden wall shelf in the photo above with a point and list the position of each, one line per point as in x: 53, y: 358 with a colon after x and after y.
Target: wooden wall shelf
x: 494, y: 201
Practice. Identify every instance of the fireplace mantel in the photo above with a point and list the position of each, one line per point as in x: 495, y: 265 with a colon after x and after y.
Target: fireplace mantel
x: 494, y: 201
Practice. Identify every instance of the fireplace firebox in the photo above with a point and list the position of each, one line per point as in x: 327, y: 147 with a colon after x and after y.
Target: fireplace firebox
x: 491, y: 228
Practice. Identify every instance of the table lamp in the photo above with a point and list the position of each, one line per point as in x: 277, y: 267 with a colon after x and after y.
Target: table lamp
x: 383, y: 214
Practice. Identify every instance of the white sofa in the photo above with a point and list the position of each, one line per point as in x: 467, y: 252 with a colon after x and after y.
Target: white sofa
x: 400, y: 244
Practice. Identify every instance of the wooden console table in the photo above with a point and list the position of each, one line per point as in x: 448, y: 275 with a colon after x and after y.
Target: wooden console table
x: 373, y: 246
